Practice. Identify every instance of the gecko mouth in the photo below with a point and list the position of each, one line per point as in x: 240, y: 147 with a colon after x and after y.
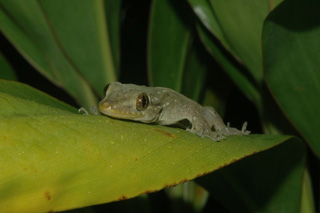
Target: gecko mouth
x: 111, y: 110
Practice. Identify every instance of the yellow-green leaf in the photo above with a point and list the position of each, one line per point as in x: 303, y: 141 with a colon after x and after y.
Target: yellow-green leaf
x: 53, y: 159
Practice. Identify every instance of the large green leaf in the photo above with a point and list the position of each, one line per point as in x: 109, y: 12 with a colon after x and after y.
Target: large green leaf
x: 169, y: 41
x: 291, y: 63
x: 53, y: 159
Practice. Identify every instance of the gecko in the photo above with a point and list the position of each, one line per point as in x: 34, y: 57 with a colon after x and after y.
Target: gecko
x: 164, y: 106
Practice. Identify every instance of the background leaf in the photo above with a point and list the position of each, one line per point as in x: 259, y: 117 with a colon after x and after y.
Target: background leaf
x: 6, y: 70
x: 268, y: 182
x: 194, y: 73
x: 62, y: 50
x: 205, y: 13
x: 86, y: 45
x: 244, y: 84
x: 113, y: 15
x: 241, y: 22
x: 291, y: 63
x: 176, y: 59
x: 26, y: 92
x: 169, y: 41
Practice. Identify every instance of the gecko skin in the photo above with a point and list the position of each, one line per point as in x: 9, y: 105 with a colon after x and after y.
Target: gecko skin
x: 164, y: 106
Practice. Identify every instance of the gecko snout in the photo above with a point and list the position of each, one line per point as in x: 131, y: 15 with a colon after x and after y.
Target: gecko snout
x: 104, y: 104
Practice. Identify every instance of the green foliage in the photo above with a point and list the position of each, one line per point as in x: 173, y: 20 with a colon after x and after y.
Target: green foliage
x: 45, y: 34
x: 56, y: 159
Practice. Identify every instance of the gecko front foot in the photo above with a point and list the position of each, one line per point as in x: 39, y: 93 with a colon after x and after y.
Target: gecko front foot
x: 93, y: 111
x: 83, y: 111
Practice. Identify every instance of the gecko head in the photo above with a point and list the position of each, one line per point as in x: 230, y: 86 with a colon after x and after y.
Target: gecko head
x: 128, y: 101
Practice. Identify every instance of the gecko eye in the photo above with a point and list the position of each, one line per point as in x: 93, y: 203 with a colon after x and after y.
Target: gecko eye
x: 142, y: 102
x: 106, y: 88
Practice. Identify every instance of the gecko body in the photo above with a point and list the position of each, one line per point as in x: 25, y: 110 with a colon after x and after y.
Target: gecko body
x: 164, y: 106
